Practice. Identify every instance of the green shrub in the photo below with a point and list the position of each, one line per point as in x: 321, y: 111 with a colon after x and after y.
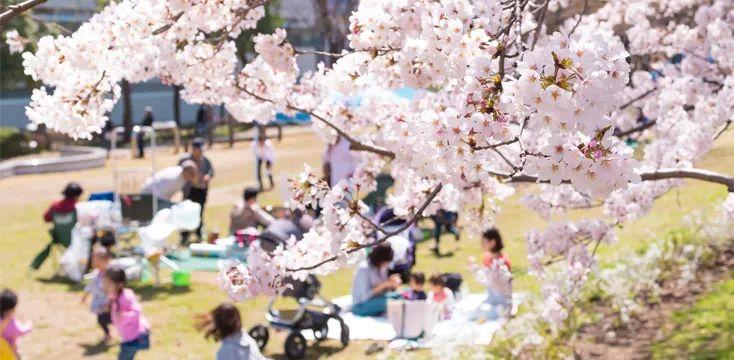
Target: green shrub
x: 14, y: 143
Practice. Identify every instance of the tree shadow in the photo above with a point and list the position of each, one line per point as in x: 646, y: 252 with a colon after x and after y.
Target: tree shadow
x: 95, y: 349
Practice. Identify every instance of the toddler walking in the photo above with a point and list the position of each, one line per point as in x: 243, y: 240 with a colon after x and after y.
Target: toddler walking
x: 100, y: 304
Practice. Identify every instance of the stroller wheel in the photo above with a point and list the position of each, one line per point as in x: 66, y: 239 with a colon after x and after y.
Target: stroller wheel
x: 322, y: 333
x: 295, y: 346
x: 344, y: 336
x: 260, y: 334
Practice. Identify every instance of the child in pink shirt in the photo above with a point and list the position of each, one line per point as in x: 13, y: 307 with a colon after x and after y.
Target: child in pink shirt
x: 10, y: 327
x: 127, y: 314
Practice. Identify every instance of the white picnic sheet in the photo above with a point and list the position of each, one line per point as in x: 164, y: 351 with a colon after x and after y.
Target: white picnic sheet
x: 458, y: 328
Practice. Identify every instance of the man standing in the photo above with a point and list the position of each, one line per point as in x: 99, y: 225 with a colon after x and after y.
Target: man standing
x: 147, y: 121
x: 197, y: 190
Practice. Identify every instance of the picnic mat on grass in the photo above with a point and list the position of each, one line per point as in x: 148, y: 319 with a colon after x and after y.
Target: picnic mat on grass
x: 459, y: 327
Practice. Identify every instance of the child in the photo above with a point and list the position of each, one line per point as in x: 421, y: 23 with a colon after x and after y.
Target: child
x: 10, y: 327
x: 127, y: 315
x: 441, y: 295
x: 499, y: 284
x: 100, y: 302
x: 417, y: 280
x: 224, y: 324
x: 264, y: 154
x: 62, y: 214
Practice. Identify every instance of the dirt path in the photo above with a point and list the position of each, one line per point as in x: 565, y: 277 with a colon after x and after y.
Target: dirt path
x: 606, y: 340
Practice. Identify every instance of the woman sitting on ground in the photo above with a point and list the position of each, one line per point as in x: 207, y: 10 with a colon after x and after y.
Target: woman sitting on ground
x: 371, y: 283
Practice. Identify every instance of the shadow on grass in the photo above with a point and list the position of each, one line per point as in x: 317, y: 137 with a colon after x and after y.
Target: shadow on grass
x: 60, y: 280
x: 95, y: 349
x: 314, y: 351
x: 148, y: 292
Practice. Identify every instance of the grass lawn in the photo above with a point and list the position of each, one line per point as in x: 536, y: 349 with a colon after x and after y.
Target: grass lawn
x: 704, y: 331
x: 64, y: 327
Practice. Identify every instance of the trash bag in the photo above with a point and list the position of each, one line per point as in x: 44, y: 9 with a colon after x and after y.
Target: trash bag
x: 186, y: 215
x: 74, y: 261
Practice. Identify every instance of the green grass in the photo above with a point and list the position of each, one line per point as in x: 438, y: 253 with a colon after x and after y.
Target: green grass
x: 703, y: 331
x: 171, y: 311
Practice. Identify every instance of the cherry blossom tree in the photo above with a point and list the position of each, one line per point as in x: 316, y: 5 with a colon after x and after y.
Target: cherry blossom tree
x: 502, y: 100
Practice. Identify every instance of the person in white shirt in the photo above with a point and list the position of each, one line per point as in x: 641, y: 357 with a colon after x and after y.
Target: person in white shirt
x: 339, y: 162
x: 264, y: 154
x: 165, y: 183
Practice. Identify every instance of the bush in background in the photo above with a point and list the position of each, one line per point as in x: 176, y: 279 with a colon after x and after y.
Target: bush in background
x: 15, y: 143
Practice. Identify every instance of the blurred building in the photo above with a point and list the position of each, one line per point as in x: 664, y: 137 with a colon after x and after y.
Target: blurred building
x: 300, y: 20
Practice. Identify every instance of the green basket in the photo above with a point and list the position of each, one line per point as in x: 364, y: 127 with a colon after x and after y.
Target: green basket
x: 181, y: 278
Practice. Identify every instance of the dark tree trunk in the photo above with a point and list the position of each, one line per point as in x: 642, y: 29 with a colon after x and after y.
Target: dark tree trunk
x: 177, y: 105
x: 127, y: 112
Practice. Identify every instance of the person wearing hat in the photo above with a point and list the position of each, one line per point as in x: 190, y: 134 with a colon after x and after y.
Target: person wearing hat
x: 197, y: 189
x: 62, y: 214
x: 248, y: 213
x: 147, y: 121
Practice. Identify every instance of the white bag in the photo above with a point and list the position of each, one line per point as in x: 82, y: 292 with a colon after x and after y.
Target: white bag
x: 75, y: 258
x: 412, y: 318
x: 186, y: 215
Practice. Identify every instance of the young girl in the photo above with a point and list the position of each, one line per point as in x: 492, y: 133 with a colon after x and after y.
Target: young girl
x: 10, y: 327
x: 100, y: 305
x: 264, y: 154
x: 441, y: 295
x: 497, y: 269
x: 224, y: 324
x: 127, y: 315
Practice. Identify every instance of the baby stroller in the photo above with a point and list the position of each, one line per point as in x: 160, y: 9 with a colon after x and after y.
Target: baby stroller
x: 313, y: 313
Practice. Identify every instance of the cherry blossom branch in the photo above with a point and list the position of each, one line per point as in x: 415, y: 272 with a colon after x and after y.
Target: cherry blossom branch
x: 639, y: 97
x: 432, y: 195
x: 353, y: 143
x: 17, y: 9
x: 496, y: 145
x: 541, y: 20
x: 662, y: 174
x: 581, y: 16
x: 635, y: 129
x: 723, y: 129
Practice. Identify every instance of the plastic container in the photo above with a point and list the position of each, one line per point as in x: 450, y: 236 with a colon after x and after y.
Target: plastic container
x: 181, y: 278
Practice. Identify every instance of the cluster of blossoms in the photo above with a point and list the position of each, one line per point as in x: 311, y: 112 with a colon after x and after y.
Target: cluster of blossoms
x: 15, y: 41
x: 497, y: 101
x: 496, y: 276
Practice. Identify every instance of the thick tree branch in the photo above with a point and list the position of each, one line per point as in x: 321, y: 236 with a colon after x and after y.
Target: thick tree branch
x: 382, y: 239
x: 17, y: 9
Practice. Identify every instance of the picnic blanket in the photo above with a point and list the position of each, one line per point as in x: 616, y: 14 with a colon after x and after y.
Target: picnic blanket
x: 460, y: 327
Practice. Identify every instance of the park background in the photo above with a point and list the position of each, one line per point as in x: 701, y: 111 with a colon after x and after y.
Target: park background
x: 65, y: 328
